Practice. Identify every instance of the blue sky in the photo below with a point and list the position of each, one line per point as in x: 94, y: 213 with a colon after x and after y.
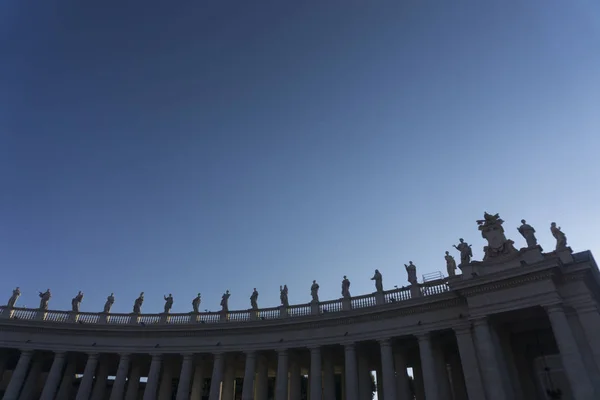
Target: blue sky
x: 193, y: 146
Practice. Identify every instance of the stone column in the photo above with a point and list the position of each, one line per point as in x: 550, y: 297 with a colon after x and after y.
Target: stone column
x: 18, y: 376
x: 444, y: 389
x: 351, y: 372
x: 30, y: 389
x: 589, y: 318
x: 316, y: 386
x: 133, y: 386
x: 217, y: 377
x: 66, y: 384
x: 468, y: 358
x: 387, y: 369
x: 379, y: 382
x: 118, y: 387
x: 100, y: 385
x: 153, y: 378
x: 165, y: 389
x: 428, y: 369
x: 402, y: 385
x: 54, y: 376
x: 569, y: 353
x: 295, y: 380
x: 228, y: 381
x: 198, y: 381
x: 281, y: 382
x: 418, y: 379
x: 328, y: 377
x: 262, y: 379
x: 364, y: 376
x: 185, y: 377
x: 249, y: 372
x: 488, y: 362
x: 85, y: 386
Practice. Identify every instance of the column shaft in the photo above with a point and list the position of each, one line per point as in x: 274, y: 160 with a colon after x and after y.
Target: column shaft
x: 133, y: 384
x: 589, y: 318
x: 365, y: 387
x: 281, y: 381
x: 85, y: 386
x: 217, y: 377
x: 118, y: 387
x: 351, y: 372
x: 387, y: 369
x: 54, y: 376
x: 316, y: 386
x: 185, y: 377
x: 249, y: 372
x: 402, y: 385
x: 328, y: 377
x: 165, y: 389
x: 428, y: 369
x: 153, y: 378
x: 100, y: 385
x: 18, y: 377
x: 262, y: 379
x: 198, y: 382
x: 228, y: 381
x: 66, y: 384
x: 30, y: 389
x: 295, y: 381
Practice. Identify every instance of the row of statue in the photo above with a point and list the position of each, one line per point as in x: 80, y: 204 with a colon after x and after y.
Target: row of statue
x: 490, y: 227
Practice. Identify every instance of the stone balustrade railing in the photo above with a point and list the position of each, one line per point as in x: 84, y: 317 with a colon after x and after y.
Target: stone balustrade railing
x: 212, y: 317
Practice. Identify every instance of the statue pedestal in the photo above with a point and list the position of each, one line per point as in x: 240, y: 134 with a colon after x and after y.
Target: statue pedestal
x: 134, y: 319
x: 283, y: 312
x: 379, y: 298
x: 103, y: 318
x: 565, y: 255
x: 73, y: 316
x: 40, y: 315
x: 415, y: 291
x: 314, y: 308
x: 253, y: 314
x: 7, y: 313
x: 164, y: 318
x: 532, y: 255
x: 223, y: 316
x: 346, y: 304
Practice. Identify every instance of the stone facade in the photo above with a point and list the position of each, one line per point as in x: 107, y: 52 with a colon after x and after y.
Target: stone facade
x: 522, y: 327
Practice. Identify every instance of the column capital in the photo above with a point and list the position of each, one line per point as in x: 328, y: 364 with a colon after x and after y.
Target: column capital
x: 156, y: 356
x: 93, y: 356
x: 386, y: 342
x: 26, y: 352
x: 479, y: 321
x: 349, y: 345
x: 282, y: 351
x: 553, y: 308
x: 188, y: 356
x: 250, y: 354
x: 314, y: 348
x: 125, y: 355
x: 462, y: 329
x: 60, y: 354
x: 422, y: 336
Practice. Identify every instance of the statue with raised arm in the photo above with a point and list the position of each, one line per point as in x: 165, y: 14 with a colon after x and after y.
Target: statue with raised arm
x: 411, y: 270
x: 378, y: 278
x: 528, y: 233
x: 561, y: 238
x: 492, y: 231
x: 13, y: 299
x: 314, y: 291
x: 196, y: 303
x: 346, y: 288
x: 137, y: 305
x: 76, y: 302
x: 465, y: 251
x: 254, y: 300
x: 450, y: 264
x: 110, y: 300
x: 168, y: 303
x: 225, y: 301
x: 44, y: 299
x: 283, y: 296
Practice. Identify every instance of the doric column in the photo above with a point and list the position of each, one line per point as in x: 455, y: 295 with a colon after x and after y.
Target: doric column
x: 217, y: 377
x: 589, y: 318
x: 228, y: 380
x: 54, y: 376
x: 262, y: 379
x: 249, y: 372
x: 328, y: 377
x: 428, y: 367
x: 85, y: 386
x: 569, y: 353
x: 153, y: 378
x: 30, y: 389
x: 488, y: 362
x: 66, y: 384
x: 351, y: 372
x: 295, y: 380
x: 185, y: 377
x: 18, y: 375
x: 364, y: 376
x: 198, y: 381
x: 118, y: 387
x: 316, y: 386
x: 418, y: 379
x: 281, y: 381
x: 444, y: 389
x: 101, y: 377
x: 165, y: 389
x: 402, y: 385
x: 387, y: 369
x: 133, y: 386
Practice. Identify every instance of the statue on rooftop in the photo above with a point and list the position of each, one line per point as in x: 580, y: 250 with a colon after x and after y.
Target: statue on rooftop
x: 76, y: 302
x: 411, y: 270
x: 44, y: 299
x: 110, y: 300
x: 137, y: 305
x: 13, y: 299
x: 465, y: 251
x: 225, y: 301
x: 528, y: 233
x: 168, y: 303
x: 450, y: 264
x: 346, y: 288
x: 254, y: 300
x: 378, y: 278
x: 492, y: 230
x: 561, y: 238
x: 314, y: 291
x: 196, y: 303
x: 283, y: 296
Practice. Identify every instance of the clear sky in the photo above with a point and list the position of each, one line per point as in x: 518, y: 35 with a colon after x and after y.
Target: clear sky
x: 198, y: 146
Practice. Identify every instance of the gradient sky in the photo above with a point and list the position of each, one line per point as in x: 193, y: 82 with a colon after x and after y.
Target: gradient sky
x: 198, y: 146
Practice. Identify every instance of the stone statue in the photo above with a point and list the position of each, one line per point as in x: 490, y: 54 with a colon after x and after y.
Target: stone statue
x: 168, y: 303
x: 411, y: 269
x: 450, y: 264
x: 528, y: 233
x: 465, y: 251
x: 283, y: 295
x: 561, y: 239
x: 44, y: 299
x: 110, y: 300
x: 314, y: 292
x: 137, y: 306
x: 254, y: 300
x: 492, y: 230
x: 346, y: 288
x: 13, y: 299
x: 378, y: 278
x: 225, y: 301
x: 196, y: 303
x: 76, y: 302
